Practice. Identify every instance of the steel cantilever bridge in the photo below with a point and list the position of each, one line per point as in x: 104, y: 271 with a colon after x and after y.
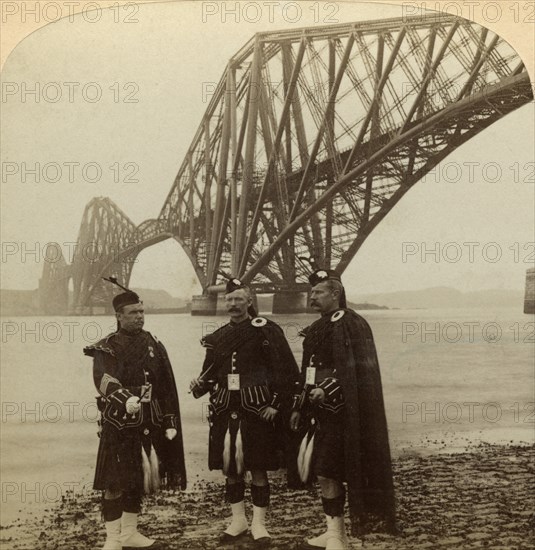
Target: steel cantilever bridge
x: 311, y: 137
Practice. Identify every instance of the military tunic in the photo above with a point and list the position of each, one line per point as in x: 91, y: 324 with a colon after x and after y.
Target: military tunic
x: 124, y: 364
x: 257, y: 351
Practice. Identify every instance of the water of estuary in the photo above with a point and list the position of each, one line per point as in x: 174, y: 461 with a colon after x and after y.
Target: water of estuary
x: 451, y: 379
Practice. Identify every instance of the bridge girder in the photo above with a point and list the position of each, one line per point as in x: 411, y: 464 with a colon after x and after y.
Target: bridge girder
x: 299, y: 113
x: 310, y: 139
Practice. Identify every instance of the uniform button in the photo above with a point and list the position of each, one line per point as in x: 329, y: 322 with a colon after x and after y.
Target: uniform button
x: 146, y: 431
x: 234, y: 416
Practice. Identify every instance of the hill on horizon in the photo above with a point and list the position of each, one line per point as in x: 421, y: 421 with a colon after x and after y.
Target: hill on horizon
x: 445, y: 297
x: 25, y: 302
x: 159, y: 299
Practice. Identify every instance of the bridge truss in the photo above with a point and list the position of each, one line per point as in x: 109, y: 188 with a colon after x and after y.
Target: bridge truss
x: 311, y: 137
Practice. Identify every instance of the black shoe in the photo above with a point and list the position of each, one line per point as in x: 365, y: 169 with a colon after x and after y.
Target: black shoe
x: 154, y: 546
x: 226, y: 538
x: 262, y: 542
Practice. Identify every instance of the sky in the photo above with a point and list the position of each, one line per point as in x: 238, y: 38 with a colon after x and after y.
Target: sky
x: 116, y: 108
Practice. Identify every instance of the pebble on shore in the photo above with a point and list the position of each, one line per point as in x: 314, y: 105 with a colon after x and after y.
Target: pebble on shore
x: 481, y: 498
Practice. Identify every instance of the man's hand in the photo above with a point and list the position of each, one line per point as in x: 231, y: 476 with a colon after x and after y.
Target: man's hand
x: 195, y: 383
x: 132, y: 405
x: 295, y: 418
x: 268, y: 414
x: 170, y: 433
x: 316, y: 396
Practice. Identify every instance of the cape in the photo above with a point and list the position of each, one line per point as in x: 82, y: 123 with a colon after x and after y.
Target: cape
x: 173, y: 467
x: 368, y: 465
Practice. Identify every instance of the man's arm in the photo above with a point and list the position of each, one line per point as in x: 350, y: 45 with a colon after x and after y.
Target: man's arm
x: 201, y: 385
x: 110, y: 387
x: 329, y: 394
x: 167, y: 390
x: 284, y: 367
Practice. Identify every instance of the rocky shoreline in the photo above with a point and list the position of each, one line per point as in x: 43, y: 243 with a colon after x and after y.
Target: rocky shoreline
x: 482, y: 497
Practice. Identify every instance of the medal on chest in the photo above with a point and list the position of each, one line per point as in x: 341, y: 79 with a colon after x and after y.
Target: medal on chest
x: 233, y: 379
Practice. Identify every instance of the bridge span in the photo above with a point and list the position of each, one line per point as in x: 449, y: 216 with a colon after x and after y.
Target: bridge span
x: 312, y: 136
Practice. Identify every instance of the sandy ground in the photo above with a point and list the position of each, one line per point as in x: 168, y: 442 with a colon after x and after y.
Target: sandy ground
x: 482, y: 497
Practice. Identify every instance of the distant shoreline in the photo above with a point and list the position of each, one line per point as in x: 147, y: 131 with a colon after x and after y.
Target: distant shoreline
x: 159, y: 302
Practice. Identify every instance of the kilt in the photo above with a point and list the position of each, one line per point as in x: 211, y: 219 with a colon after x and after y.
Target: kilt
x: 259, y: 439
x: 328, y: 452
x: 119, y: 463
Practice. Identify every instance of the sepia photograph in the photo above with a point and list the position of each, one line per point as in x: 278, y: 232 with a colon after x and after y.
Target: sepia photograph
x: 267, y: 275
